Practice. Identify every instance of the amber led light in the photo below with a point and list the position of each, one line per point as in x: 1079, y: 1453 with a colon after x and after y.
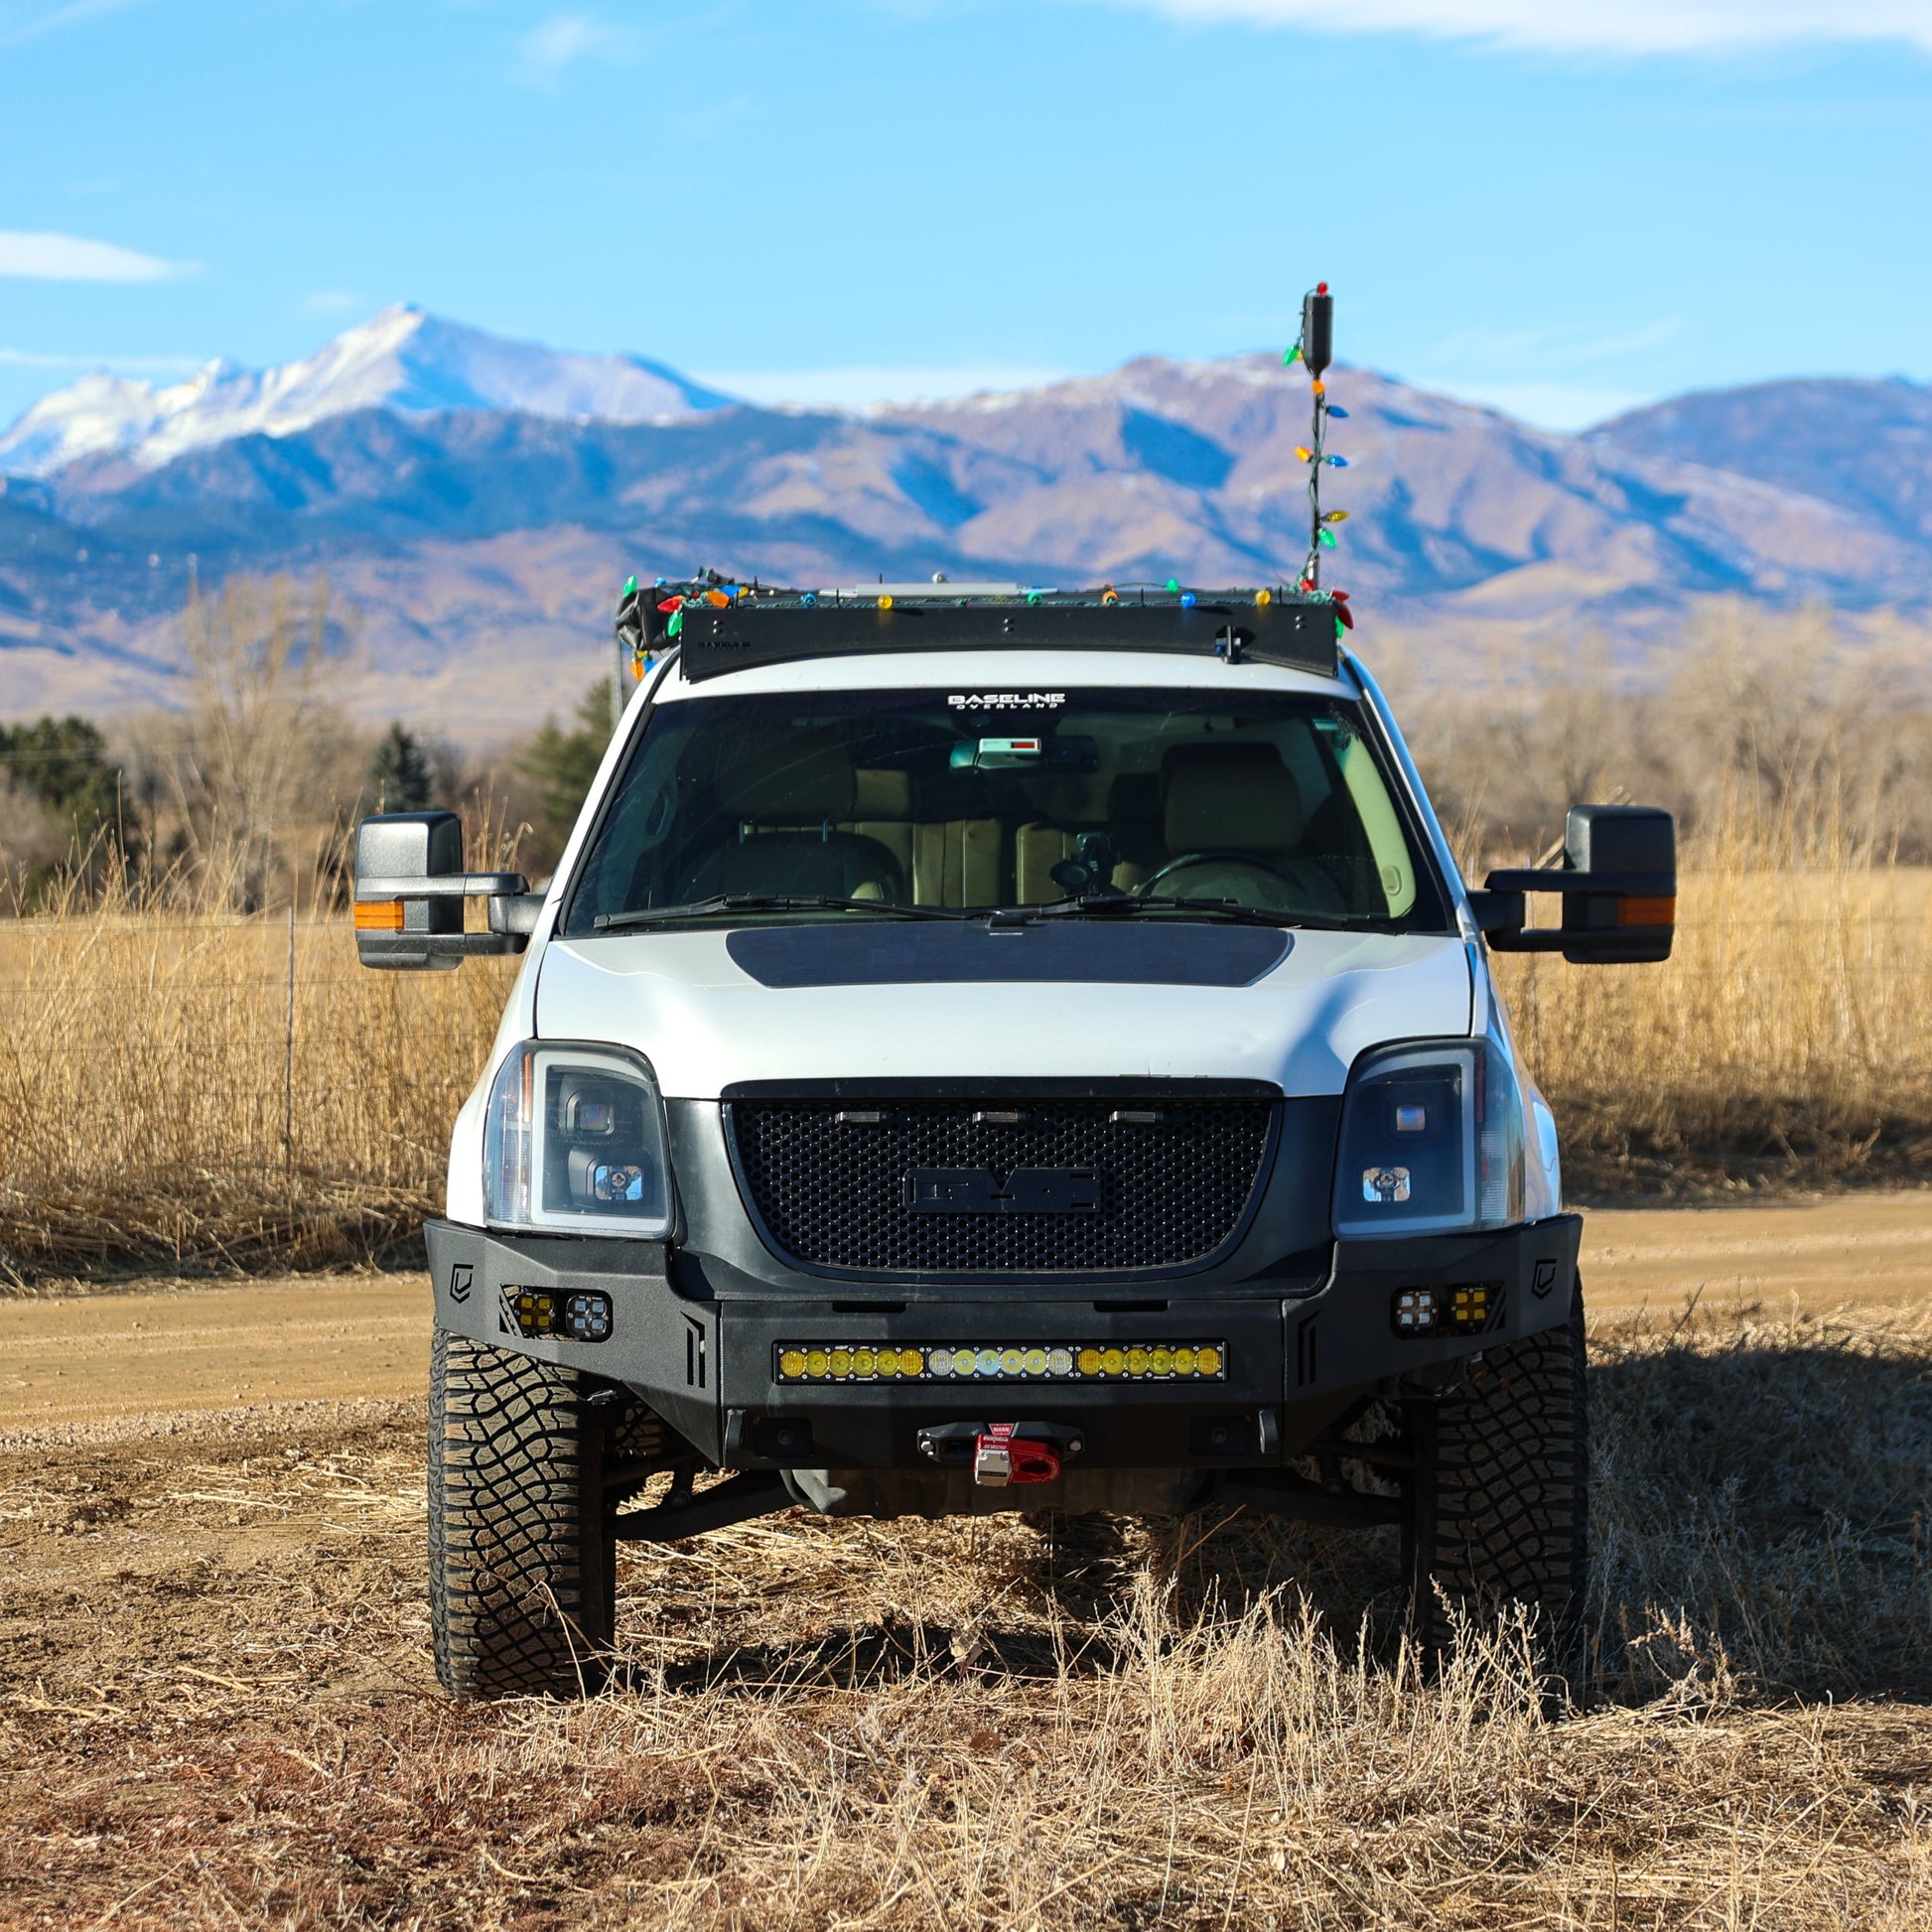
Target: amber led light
x: 1140, y: 1361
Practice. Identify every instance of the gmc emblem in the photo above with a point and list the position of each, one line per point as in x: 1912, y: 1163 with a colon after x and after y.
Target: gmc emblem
x: 1025, y: 1190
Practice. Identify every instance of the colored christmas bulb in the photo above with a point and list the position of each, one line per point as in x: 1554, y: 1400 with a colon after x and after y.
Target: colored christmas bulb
x: 1338, y: 412
x: 1328, y: 538
x: 676, y: 623
x: 1334, y: 516
x: 1173, y: 583
x: 1319, y: 389
x: 1264, y: 598
x: 1304, y: 453
x: 1188, y: 600
x: 1336, y: 462
x: 1289, y: 356
x: 629, y: 587
x: 886, y: 602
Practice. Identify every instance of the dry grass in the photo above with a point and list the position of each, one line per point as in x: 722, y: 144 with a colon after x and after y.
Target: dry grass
x: 215, y: 1707
x: 153, y: 1112
x: 158, y: 1110
x: 1783, y: 1041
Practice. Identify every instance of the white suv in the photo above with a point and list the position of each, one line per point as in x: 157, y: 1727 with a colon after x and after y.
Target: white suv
x: 990, y: 1049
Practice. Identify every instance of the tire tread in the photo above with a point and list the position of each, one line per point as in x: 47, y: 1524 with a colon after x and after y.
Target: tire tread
x: 522, y: 1596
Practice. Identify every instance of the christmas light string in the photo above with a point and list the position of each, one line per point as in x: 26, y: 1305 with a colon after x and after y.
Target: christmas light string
x: 1314, y: 349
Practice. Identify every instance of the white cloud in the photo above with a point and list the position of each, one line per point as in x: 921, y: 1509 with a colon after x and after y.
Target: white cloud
x: 1549, y: 350
x: 867, y: 386
x: 1548, y: 405
x: 70, y: 259
x: 563, y: 38
x: 32, y: 359
x: 1580, y: 25
x: 15, y: 33
x: 333, y: 302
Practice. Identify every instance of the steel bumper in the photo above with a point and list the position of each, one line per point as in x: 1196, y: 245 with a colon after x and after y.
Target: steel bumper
x: 712, y: 1367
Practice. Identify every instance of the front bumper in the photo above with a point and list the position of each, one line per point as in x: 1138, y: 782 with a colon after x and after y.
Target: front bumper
x: 1288, y: 1365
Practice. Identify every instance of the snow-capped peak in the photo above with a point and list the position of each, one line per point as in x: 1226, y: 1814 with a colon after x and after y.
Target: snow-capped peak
x: 403, y: 359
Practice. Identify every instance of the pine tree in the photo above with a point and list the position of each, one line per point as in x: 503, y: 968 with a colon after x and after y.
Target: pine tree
x: 400, y: 771
x: 562, y: 762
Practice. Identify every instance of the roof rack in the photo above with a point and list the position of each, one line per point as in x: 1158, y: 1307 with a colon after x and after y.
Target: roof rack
x: 720, y: 625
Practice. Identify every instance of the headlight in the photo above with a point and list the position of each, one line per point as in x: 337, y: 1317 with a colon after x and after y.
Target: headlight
x: 574, y: 1140
x: 1432, y: 1141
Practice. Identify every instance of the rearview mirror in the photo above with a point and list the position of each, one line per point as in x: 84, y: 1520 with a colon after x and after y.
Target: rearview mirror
x: 411, y: 885
x: 1618, y: 880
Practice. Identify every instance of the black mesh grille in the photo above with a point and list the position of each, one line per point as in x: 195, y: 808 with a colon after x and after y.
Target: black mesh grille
x: 831, y: 1191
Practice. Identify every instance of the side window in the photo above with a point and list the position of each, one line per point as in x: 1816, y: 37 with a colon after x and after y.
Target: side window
x: 635, y: 841
x: 1394, y: 868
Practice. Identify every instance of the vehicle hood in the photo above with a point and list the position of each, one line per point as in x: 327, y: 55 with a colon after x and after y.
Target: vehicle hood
x: 925, y: 1003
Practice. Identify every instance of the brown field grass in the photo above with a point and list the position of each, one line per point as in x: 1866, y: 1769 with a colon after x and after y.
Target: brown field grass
x: 215, y: 1708
x: 1785, y: 1039
x: 175, y: 1092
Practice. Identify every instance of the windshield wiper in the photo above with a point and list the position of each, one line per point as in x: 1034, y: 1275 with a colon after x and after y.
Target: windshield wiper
x: 1121, y: 905
x: 731, y: 903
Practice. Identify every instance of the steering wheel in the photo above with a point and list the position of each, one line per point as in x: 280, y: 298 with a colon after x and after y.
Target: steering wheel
x: 1307, y: 889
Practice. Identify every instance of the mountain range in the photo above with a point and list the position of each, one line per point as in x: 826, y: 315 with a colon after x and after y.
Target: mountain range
x: 477, y: 503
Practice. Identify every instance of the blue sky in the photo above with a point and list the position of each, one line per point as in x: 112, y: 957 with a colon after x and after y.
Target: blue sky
x: 1560, y: 206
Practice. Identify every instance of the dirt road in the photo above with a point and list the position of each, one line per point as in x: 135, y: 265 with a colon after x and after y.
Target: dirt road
x: 125, y: 1362
x: 216, y: 1705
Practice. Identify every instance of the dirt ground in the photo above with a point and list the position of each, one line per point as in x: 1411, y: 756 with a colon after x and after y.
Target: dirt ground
x: 97, y: 1366
x: 216, y: 1705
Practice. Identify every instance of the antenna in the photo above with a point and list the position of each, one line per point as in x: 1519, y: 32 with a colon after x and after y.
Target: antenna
x: 1315, y: 349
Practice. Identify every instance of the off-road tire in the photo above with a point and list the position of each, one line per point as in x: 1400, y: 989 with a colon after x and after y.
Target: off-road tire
x: 521, y: 1551
x: 1500, y: 1500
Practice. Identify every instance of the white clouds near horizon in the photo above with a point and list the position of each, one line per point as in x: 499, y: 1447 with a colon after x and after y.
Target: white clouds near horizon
x: 871, y: 386
x: 49, y: 257
x: 1578, y: 26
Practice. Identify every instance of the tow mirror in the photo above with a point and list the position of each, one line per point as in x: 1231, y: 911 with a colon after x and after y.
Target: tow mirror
x: 1618, y: 880
x: 411, y: 885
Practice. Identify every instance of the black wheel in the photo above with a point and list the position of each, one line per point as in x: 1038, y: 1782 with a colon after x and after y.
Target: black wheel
x: 1499, y: 1502
x: 522, y: 1586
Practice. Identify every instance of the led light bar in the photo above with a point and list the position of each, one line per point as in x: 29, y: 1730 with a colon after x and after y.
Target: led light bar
x: 1161, y: 1362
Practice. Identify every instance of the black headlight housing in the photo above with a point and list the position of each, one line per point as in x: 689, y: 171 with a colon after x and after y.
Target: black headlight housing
x: 573, y: 1142
x: 1432, y: 1141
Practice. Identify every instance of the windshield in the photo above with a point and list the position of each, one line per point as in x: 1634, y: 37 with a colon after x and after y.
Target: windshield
x: 946, y: 799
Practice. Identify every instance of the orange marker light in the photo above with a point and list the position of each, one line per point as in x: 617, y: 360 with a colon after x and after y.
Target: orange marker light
x: 378, y: 916
x: 1636, y: 912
